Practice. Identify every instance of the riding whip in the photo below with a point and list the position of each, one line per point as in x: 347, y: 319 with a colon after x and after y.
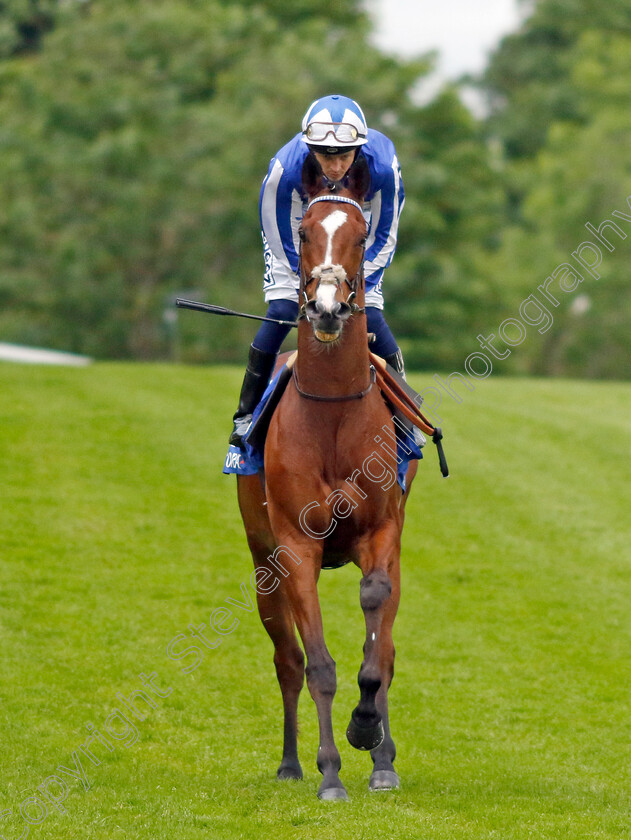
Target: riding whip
x: 220, y: 310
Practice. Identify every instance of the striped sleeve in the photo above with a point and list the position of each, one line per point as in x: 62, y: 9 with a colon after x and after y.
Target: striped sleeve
x: 277, y: 212
x: 386, y: 206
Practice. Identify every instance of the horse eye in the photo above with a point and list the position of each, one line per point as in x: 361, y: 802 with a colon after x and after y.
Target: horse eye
x: 302, y: 235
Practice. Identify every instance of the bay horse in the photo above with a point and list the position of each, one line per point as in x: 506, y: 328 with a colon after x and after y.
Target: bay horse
x: 322, y: 501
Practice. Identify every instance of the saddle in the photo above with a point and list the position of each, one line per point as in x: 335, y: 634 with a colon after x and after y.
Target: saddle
x: 403, y: 401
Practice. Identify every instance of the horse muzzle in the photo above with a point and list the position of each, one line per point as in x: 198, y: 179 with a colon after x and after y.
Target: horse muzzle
x: 327, y: 323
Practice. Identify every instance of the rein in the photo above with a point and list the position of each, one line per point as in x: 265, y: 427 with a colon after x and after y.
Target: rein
x: 406, y: 405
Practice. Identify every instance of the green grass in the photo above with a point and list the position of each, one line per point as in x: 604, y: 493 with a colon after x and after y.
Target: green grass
x: 510, y: 705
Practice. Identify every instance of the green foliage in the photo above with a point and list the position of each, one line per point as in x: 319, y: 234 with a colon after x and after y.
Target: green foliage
x: 23, y: 23
x: 134, y: 137
x: 528, y: 81
x: 132, y: 148
x: 436, y: 290
x: 128, y: 172
x: 337, y: 12
x: 571, y: 166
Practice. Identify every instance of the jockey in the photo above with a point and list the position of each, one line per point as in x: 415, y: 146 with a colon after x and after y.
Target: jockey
x: 334, y: 131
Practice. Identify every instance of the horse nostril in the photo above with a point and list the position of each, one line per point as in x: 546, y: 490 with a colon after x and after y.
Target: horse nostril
x: 344, y: 311
x: 314, y: 309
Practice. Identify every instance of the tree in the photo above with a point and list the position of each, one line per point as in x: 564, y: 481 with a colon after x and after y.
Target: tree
x: 580, y: 176
x: 23, y: 24
x: 439, y: 295
x: 132, y: 148
x: 528, y: 82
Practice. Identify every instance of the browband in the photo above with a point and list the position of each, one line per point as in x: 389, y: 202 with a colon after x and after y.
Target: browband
x: 341, y: 198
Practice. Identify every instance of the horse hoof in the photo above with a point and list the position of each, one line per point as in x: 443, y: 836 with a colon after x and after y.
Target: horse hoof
x: 289, y: 772
x: 364, y: 737
x: 383, y: 780
x: 336, y: 794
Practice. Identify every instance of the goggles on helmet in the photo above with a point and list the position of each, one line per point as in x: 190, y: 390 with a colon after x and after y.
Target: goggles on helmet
x: 317, y: 132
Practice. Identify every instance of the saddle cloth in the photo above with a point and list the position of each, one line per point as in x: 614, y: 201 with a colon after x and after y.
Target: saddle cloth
x: 249, y: 461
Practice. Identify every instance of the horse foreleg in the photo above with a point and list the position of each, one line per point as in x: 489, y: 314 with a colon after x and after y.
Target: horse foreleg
x: 289, y: 661
x: 383, y: 776
x: 320, y: 671
x: 276, y: 616
x: 379, y: 597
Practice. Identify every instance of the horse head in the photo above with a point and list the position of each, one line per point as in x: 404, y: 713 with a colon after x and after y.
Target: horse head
x: 333, y: 237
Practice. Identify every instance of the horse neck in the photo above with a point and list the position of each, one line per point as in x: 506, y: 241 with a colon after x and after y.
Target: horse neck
x: 334, y: 370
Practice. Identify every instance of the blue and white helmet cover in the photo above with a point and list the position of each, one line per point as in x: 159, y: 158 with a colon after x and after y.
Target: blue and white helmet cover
x: 335, y: 110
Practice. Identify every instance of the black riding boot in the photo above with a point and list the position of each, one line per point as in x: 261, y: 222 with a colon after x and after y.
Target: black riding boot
x: 395, y: 360
x: 257, y: 373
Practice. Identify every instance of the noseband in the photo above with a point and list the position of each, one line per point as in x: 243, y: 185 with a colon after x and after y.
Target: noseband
x: 331, y: 274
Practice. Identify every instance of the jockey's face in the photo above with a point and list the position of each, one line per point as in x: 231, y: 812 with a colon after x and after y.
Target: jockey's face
x: 335, y: 167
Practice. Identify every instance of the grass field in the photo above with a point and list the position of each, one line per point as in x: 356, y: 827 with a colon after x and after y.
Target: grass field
x: 510, y: 705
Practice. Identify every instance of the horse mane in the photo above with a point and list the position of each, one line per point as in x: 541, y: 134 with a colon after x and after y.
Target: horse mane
x: 356, y: 181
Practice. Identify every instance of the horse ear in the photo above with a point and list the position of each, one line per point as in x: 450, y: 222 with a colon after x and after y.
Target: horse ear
x: 358, y: 178
x: 312, y: 178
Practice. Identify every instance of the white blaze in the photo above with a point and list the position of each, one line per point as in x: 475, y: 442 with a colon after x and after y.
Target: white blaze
x: 333, y: 222
x: 326, y: 291
x: 326, y: 295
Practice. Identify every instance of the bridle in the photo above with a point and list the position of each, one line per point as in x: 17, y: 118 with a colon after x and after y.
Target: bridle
x: 329, y: 274
x: 332, y: 274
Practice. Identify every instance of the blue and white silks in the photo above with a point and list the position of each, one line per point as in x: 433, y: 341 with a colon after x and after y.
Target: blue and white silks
x: 282, y: 206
